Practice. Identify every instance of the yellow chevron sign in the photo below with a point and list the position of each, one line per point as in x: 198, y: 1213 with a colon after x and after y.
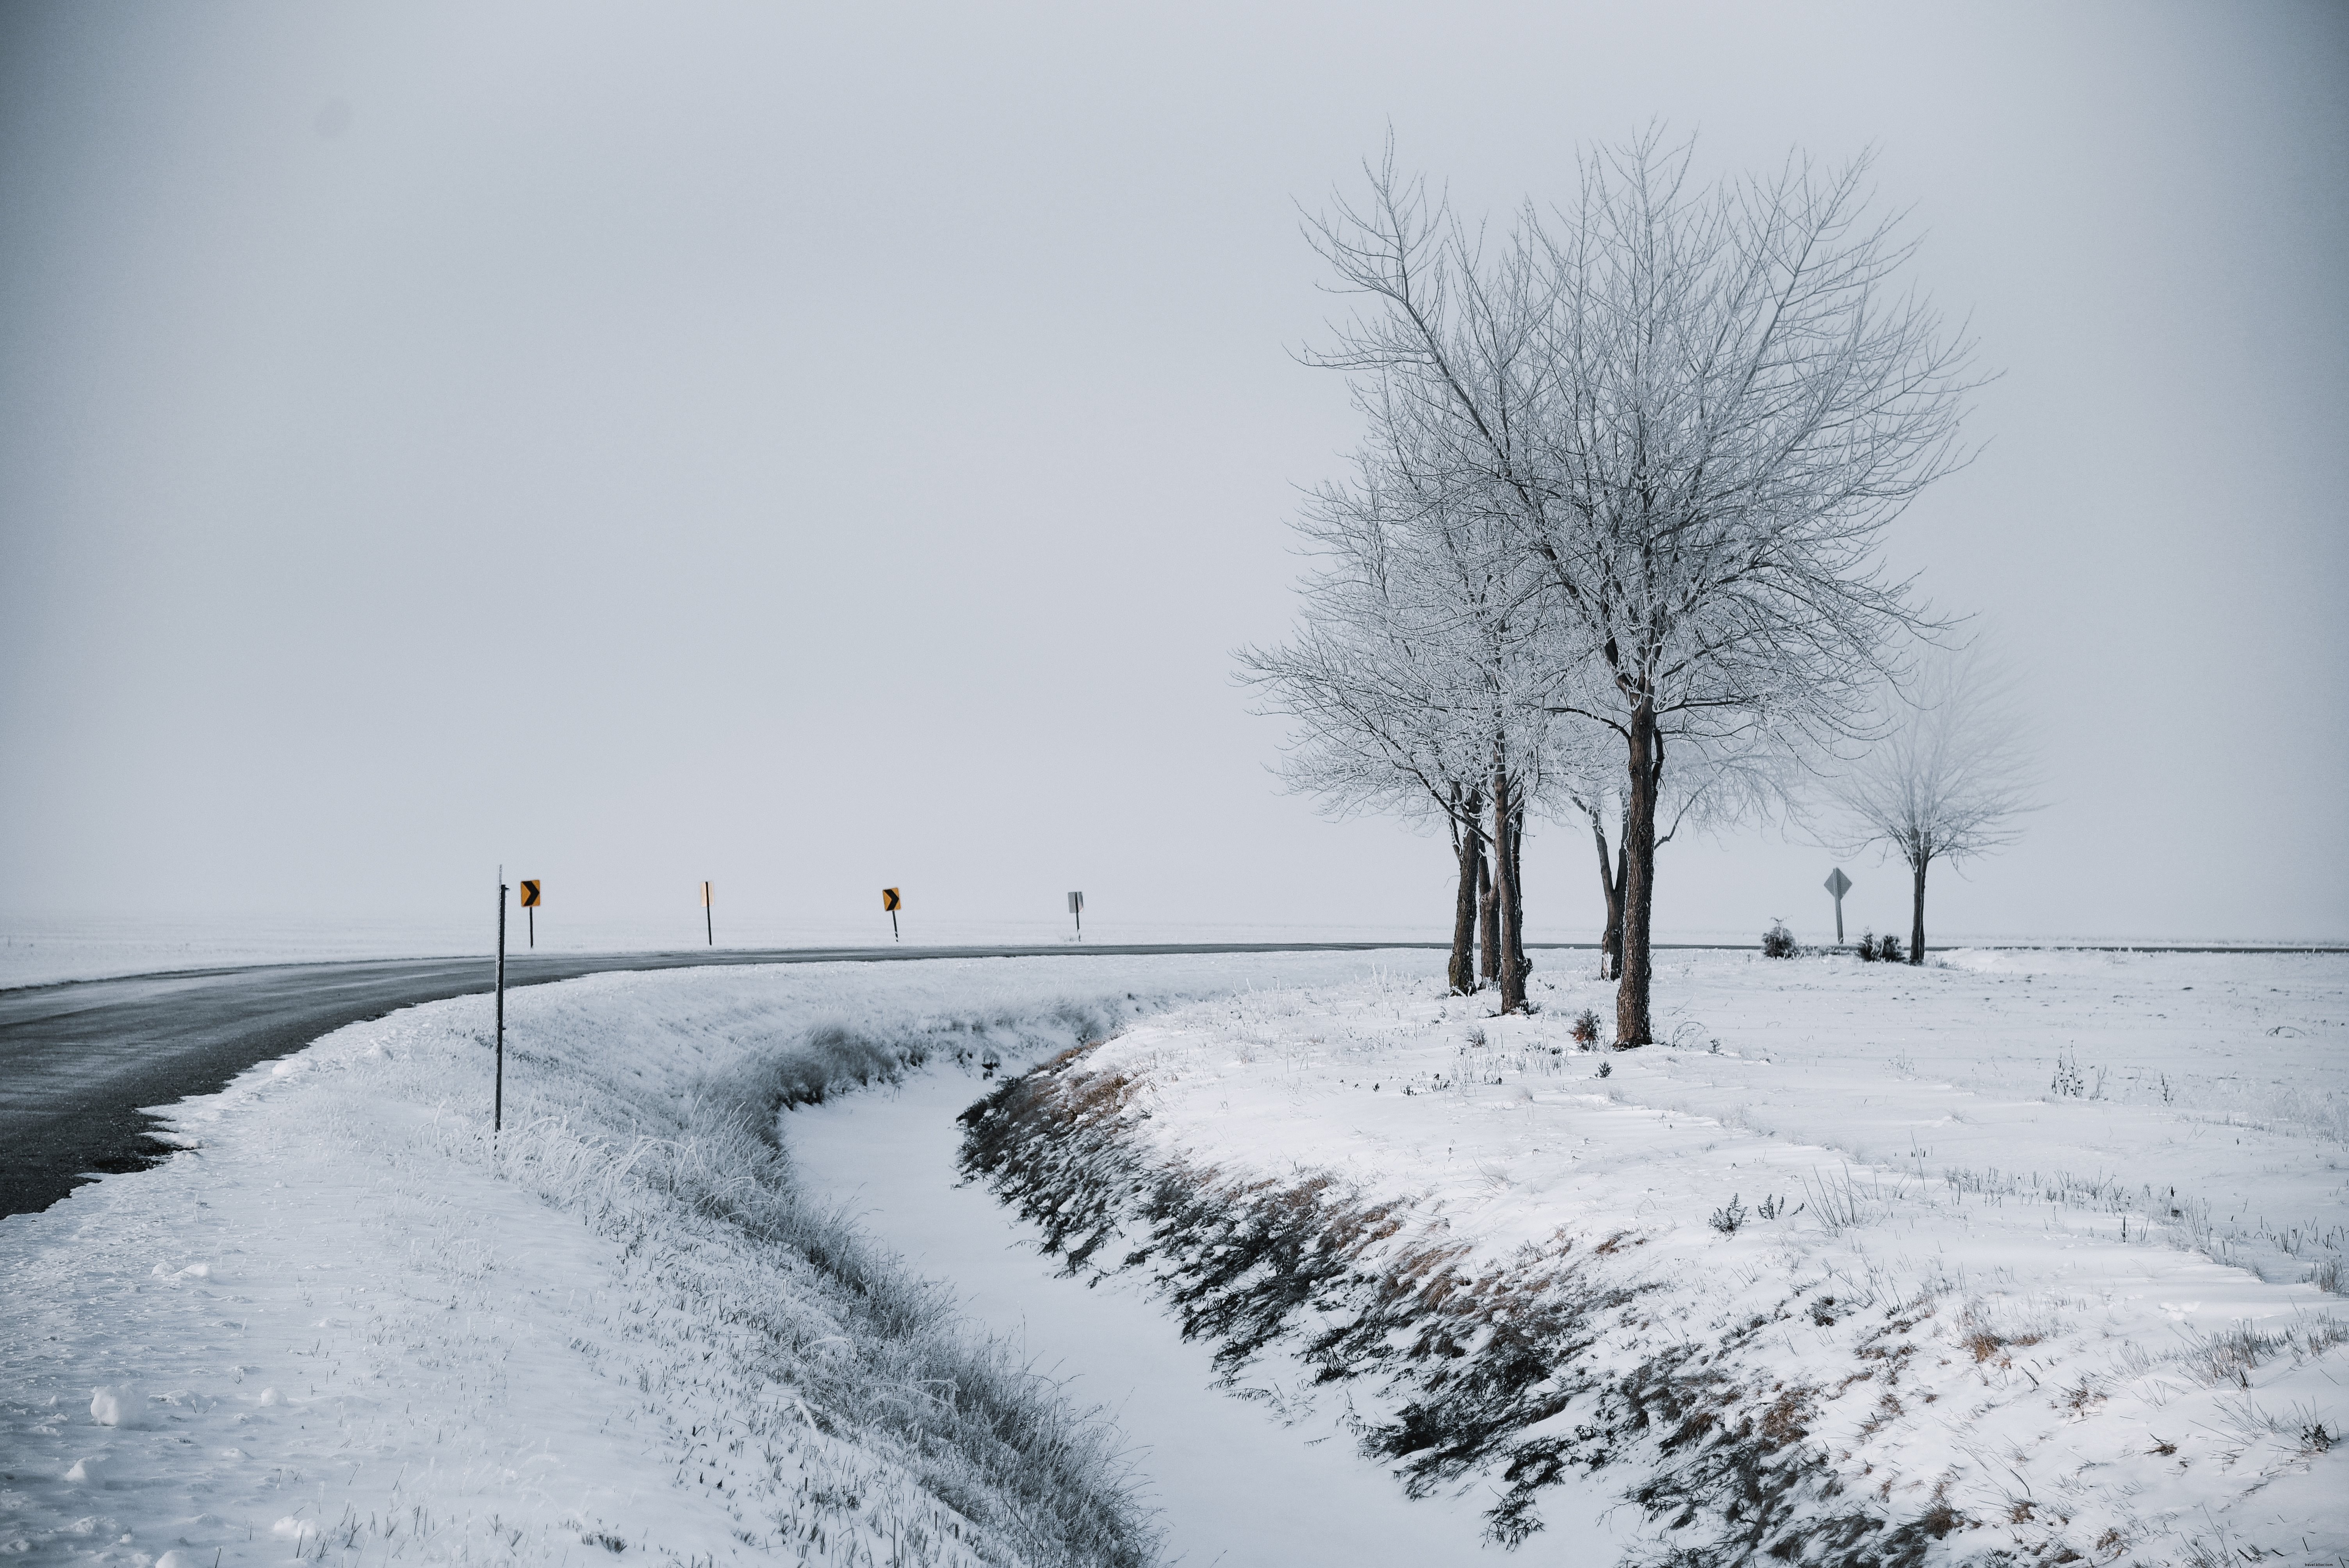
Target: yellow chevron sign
x: 891, y: 901
x: 529, y: 898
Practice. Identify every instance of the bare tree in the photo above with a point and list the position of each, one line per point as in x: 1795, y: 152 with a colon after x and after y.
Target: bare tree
x: 1946, y: 780
x: 1400, y: 681
x: 1696, y: 411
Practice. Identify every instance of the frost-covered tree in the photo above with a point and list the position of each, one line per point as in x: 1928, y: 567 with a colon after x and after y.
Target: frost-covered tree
x: 1946, y: 778
x: 1694, y: 408
x: 1403, y: 684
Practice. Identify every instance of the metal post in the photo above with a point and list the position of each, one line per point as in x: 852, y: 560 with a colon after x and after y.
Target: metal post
x: 533, y: 927
x: 708, y: 921
x: 1839, y: 922
x: 497, y: 1103
x: 893, y: 927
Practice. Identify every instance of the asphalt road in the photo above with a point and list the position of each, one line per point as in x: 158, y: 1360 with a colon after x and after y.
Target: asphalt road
x: 78, y: 1060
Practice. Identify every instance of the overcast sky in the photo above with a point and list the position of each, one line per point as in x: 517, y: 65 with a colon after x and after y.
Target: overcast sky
x: 816, y: 447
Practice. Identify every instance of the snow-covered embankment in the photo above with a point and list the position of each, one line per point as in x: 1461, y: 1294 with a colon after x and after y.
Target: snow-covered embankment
x: 1878, y: 1265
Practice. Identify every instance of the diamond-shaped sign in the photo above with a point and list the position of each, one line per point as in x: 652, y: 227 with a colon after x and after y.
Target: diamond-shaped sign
x: 1838, y: 885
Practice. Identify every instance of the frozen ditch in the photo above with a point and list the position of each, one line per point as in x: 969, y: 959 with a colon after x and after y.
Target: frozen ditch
x: 1233, y: 1484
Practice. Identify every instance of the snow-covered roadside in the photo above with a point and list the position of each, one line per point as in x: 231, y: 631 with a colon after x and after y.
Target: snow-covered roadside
x: 340, y: 1325
x: 1857, y: 1279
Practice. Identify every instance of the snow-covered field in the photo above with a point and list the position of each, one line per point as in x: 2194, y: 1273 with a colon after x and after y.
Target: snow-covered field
x: 2011, y: 1252
x: 343, y: 1326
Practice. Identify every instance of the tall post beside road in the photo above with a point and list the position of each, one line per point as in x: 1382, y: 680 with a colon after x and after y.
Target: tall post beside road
x: 1837, y: 885
x: 498, y: 1098
x: 708, y: 922
x: 1077, y: 908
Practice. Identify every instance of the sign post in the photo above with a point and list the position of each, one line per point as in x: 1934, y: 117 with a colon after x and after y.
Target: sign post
x: 498, y: 1095
x: 530, y: 902
x: 708, y: 921
x: 1838, y: 885
x: 1077, y: 908
x: 892, y: 901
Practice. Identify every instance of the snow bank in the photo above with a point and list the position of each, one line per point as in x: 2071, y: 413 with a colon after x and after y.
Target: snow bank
x: 344, y: 1323
x: 2017, y: 1254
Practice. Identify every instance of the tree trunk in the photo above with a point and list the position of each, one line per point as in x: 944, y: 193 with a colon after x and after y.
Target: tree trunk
x: 1505, y: 896
x: 1469, y: 840
x: 1514, y: 920
x: 1615, y: 939
x: 1610, y: 888
x: 1488, y: 919
x: 1646, y: 759
x: 1917, y: 915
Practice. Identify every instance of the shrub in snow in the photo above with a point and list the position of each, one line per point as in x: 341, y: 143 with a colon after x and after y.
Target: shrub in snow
x: 1889, y: 951
x: 1586, y: 1026
x: 1777, y: 941
x: 1866, y: 948
x: 1604, y: 1068
x: 1726, y: 1219
x: 2068, y: 1079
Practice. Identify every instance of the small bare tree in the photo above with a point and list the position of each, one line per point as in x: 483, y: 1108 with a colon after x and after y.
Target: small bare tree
x: 1947, y: 778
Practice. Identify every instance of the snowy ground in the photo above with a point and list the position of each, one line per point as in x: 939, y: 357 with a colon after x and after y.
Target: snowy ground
x: 342, y: 1326
x: 2022, y: 1241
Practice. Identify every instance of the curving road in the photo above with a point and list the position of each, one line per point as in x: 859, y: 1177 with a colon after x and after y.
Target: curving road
x: 78, y: 1058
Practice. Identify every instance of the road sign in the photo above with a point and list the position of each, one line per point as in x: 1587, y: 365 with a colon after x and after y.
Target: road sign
x: 891, y: 901
x: 1077, y: 908
x: 530, y: 899
x: 1837, y: 885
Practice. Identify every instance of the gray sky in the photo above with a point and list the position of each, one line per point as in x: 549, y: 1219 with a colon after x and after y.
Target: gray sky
x: 815, y: 447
